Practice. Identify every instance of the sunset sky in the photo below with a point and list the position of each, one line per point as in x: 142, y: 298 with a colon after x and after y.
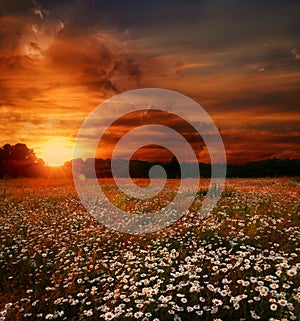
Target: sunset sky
x: 240, y: 60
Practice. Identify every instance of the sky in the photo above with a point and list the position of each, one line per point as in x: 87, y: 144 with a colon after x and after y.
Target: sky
x: 239, y: 60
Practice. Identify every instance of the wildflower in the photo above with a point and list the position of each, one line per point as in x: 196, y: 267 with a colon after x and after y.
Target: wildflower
x: 282, y: 302
x: 214, y: 310
x: 274, y: 286
x: 254, y: 315
x: 200, y: 312
x: 88, y: 313
x: 210, y: 287
x: 236, y: 306
x: 109, y: 316
x: 291, y: 272
x: 60, y: 313
x: 217, y: 302
x: 138, y: 314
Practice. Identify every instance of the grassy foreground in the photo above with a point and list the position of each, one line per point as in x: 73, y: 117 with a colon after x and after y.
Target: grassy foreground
x: 240, y: 263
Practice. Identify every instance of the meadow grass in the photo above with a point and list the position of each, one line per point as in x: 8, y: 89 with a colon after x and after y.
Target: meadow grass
x: 240, y: 263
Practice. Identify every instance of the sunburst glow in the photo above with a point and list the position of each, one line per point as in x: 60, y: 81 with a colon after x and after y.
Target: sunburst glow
x: 56, y: 152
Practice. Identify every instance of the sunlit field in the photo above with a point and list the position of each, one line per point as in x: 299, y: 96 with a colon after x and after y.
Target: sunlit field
x: 240, y: 263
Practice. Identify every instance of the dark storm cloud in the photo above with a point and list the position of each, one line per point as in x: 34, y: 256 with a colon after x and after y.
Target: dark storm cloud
x: 202, y: 25
x: 274, y: 126
x: 252, y: 145
x: 17, y: 7
x: 257, y: 103
x: 92, y: 62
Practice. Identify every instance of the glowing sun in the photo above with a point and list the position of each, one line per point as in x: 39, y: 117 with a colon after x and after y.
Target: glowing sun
x: 55, y: 153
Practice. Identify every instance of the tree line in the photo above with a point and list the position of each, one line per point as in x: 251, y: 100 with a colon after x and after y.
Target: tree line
x: 274, y: 167
x: 20, y: 161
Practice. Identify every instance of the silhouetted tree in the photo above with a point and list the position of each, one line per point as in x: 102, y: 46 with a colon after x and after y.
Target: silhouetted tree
x: 19, y: 161
x: 174, y: 168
